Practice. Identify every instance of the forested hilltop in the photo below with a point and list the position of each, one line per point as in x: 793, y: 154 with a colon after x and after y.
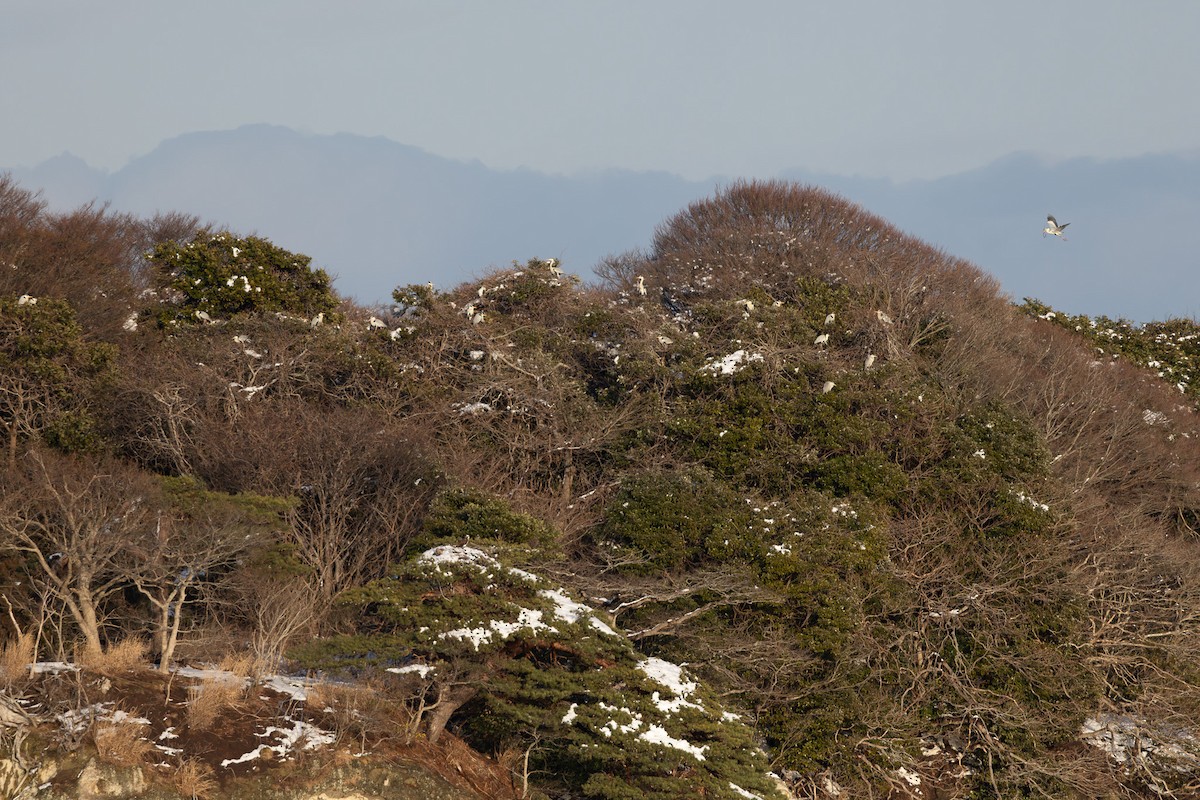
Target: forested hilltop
x: 790, y: 503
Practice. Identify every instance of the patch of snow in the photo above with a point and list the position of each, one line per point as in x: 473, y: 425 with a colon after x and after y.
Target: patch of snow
x: 119, y: 716
x: 667, y: 674
x: 244, y: 757
x: 311, y: 736
x: 51, y: 667
x: 570, y: 611
x: 289, y: 686
x: 635, y: 720
x: 458, y: 554
x: 671, y: 676
x: 209, y: 674
x: 421, y: 669
x: 527, y: 618
x: 656, y: 734
x: 520, y: 573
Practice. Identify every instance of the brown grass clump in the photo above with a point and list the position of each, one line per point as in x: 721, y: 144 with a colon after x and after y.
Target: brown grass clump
x: 194, y: 779
x: 357, y: 712
x: 242, y: 664
x: 15, y: 658
x: 211, y: 698
x: 126, y: 655
x: 121, y: 743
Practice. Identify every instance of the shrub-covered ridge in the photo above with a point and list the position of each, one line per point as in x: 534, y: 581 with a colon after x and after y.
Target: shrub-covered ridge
x: 916, y: 539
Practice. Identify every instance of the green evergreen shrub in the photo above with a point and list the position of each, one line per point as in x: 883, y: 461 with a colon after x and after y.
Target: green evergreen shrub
x: 221, y: 274
x: 544, y: 671
x: 678, y: 519
x: 53, y: 378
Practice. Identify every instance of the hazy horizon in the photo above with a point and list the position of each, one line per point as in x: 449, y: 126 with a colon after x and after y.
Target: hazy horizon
x: 884, y: 102
x: 699, y: 88
x: 378, y: 213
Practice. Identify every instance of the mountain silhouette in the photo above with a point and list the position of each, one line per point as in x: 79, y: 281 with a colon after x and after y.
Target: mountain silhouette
x: 377, y: 214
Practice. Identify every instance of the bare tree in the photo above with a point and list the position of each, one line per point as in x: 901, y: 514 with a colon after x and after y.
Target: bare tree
x: 194, y: 544
x: 360, y: 483
x: 75, y: 519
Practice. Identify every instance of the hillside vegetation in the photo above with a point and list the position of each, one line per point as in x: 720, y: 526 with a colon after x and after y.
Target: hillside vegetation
x: 789, y: 492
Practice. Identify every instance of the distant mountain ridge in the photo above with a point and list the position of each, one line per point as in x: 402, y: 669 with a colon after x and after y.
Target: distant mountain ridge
x: 378, y: 214
x: 373, y: 212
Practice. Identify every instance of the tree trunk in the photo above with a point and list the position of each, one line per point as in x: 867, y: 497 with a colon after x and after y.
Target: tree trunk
x: 171, y: 628
x: 89, y: 625
x: 450, y: 699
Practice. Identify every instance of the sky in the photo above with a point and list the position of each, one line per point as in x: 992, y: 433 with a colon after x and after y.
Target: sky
x: 877, y: 88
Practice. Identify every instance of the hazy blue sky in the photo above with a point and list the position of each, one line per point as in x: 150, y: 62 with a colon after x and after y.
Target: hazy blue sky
x: 875, y: 87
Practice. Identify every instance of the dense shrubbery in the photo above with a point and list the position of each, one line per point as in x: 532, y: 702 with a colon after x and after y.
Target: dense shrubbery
x: 869, y: 503
x: 1171, y: 349
x: 217, y: 275
x: 534, y: 669
x: 52, y: 378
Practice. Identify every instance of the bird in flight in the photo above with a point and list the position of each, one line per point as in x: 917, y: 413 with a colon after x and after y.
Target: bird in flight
x: 1053, y: 228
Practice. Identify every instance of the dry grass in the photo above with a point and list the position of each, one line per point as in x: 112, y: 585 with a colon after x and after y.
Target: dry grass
x: 121, y: 743
x: 243, y: 664
x: 15, y: 658
x: 211, y: 698
x: 194, y: 779
x: 126, y: 655
x: 354, y: 711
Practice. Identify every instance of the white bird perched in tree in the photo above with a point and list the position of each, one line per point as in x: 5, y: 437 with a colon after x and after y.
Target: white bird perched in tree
x: 822, y: 339
x: 1053, y: 228
x: 641, y: 285
x: 828, y: 387
x: 870, y: 362
x: 882, y: 317
x: 26, y: 300
x: 829, y: 318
